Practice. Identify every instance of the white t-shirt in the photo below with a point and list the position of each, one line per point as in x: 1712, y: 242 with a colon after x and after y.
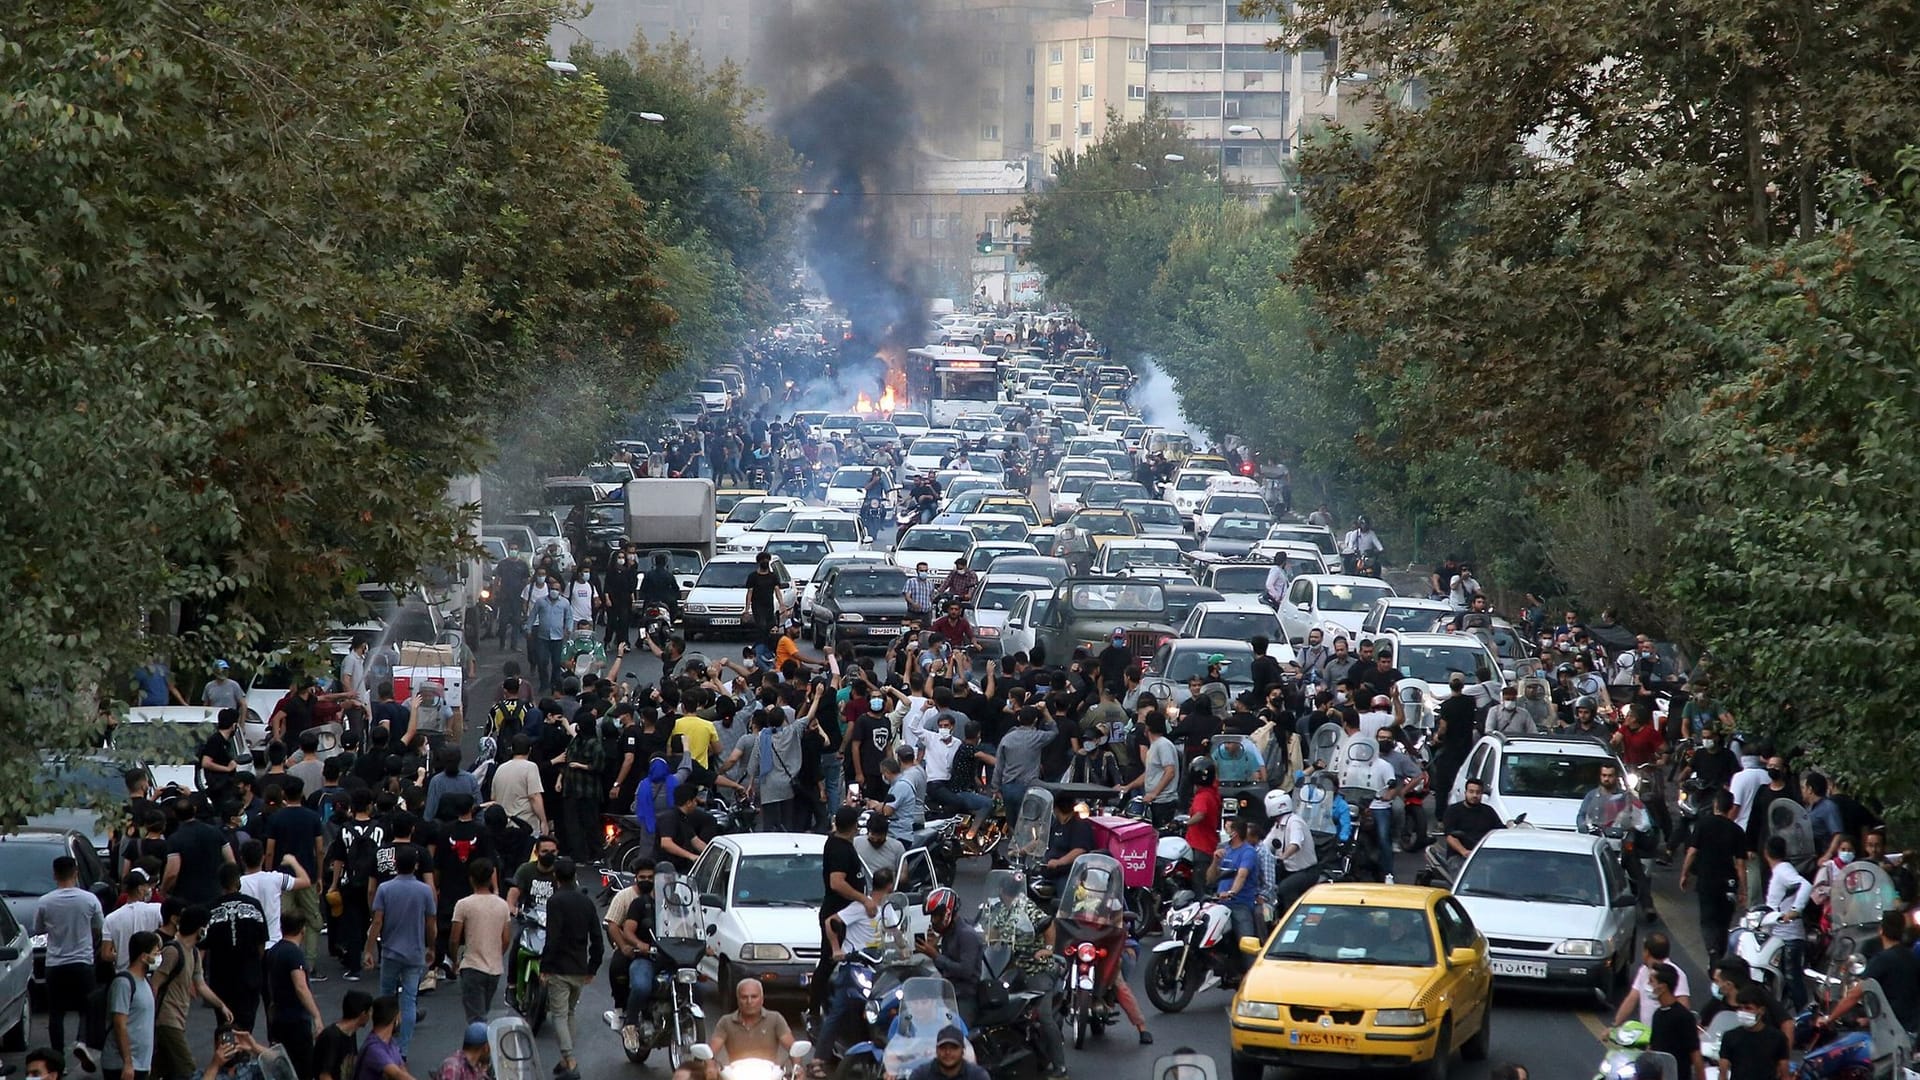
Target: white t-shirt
x: 1650, y: 1001
x: 1382, y: 776
x: 267, y: 886
x: 862, y: 929
x: 1298, y: 834
x: 127, y: 920
x: 939, y: 754
x: 1745, y: 785
x: 1372, y: 722
x: 580, y: 598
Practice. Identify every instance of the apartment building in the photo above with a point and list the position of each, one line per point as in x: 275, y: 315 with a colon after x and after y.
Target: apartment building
x: 1087, y: 69
x: 1209, y: 67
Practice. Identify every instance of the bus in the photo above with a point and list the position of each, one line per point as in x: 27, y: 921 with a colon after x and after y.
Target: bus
x: 950, y: 382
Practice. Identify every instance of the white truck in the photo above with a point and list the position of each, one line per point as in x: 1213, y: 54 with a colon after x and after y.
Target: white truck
x: 671, y: 512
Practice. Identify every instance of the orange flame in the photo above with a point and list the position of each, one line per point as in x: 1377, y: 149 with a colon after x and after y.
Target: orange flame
x: 864, y: 404
x: 886, y: 401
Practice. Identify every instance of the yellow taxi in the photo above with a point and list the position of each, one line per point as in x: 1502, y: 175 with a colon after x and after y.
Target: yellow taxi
x: 1364, y: 976
x: 1018, y: 505
x: 1207, y: 461
x: 724, y: 498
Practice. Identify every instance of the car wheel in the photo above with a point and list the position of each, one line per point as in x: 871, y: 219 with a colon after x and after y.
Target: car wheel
x: 725, y: 979
x: 1478, y: 1047
x: 1442, y: 1054
x: 1245, y: 1068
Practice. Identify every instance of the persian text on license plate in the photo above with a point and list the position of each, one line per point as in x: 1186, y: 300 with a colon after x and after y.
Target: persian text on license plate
x: 1338, y: 1040
x: 1526, y: 969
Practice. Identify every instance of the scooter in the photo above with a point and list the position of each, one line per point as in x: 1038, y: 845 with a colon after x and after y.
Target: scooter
x: 1200, y: 952
x: 1754, y: 941
x: 526, y: 990
x: 759, y: 1068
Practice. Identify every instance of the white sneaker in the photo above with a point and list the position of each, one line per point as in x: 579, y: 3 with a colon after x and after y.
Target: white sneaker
x: 612, y: 1018
x: 85, y: 1056
x: 1389, y: 879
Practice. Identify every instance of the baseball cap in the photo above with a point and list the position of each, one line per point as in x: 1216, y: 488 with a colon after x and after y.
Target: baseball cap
x: 950, y: 1036
x: 135, y: 877
x: 220, y: 664
x: 476, y: 1034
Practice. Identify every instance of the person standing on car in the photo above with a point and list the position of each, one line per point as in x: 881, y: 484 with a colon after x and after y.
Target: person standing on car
x: 72, y: 921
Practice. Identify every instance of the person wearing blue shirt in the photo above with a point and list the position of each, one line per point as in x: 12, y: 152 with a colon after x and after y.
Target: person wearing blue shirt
x: 1236, y: 876
x: 547, y: 621
x: 1822, y: 814
x: 903, y: 809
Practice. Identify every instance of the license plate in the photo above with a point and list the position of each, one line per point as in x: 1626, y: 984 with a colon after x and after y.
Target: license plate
x: 1526, y: 969
x: 1338, y: 1040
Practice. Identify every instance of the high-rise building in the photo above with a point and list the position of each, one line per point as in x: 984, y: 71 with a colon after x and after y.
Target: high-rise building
x: 1209, y: 67
x: 719, y: 30
x: 1084, y: 70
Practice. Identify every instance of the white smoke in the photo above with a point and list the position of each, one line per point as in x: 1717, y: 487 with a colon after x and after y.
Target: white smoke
x: 1159, y: 403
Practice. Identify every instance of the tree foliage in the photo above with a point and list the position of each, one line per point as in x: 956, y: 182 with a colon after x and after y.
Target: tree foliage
x: 1796, y: 484
x: 268, y: 273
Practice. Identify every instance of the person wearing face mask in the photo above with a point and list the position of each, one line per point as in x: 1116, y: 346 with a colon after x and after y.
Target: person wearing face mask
x: 1712, y: 764
x: 940, y: 751
x: 583, y: 595
x: 547, y: 620
x: 622, y: 579
x: 918, y: 592
x: 1756, y: 1050
x: 1718, y: 851
x: 867, y: 742
x: 629, y: 925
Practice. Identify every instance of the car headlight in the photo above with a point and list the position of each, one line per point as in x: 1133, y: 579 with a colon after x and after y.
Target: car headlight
x: 987, y: 631
x: 1257, y: 1010
x: 1579, y: 947
x: 696, y: 609
x: 863, y: 978
x: 768, y: 954
x: 1401, y: 1017
x: 852, y: 616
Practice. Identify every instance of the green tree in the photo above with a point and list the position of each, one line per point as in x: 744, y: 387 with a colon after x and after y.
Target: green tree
x: 1795, y: 485
x: 270, y: 273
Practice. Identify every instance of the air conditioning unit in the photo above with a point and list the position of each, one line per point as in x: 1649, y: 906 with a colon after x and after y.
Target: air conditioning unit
x: 1233, y: 110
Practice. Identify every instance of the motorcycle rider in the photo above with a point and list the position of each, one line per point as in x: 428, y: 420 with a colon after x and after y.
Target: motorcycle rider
x: 1008, y: 920
x: 1612, y: 806
x: 1643, y: 748
x: 954, y: 947
x: 949, y: 1059
x: 1360, y: 543
x: 1787, y: 893
x: 1466, y: 823
x: 1235, y: 875
x: 1070, y: 837
x: 1896, y: 969
x: 1288, y: 865
x: 657, y: 586
x: 959, y: 584
x: 630, y: 931
x: 1713, y: 764
x: 751, y: 1031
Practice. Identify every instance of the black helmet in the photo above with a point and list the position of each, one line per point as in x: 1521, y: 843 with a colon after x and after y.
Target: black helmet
x: 1564, y: 669
x: 1200, y: 771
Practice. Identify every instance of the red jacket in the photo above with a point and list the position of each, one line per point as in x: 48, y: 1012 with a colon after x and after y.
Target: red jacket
x: 1203, y: 820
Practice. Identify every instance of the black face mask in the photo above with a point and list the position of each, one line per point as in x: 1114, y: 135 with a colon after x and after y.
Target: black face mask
x: 547, y: 860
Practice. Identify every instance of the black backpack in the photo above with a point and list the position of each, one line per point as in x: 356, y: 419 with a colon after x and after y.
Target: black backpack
x: 361, y: 841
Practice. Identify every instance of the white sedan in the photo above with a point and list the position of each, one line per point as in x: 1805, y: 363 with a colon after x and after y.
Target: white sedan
x: 939, y: 546
x: 801, y: 552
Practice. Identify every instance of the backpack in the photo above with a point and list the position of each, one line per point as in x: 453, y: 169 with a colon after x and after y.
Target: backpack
x: 361, y: 841
x: 507, y: 719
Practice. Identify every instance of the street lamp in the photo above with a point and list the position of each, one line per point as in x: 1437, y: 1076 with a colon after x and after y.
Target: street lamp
x: 1175, y: 158
x: 649, y: 117
x: 561, y: 67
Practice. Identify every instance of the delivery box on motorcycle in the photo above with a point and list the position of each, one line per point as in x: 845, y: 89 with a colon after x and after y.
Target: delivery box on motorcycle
x: 1132, y: 843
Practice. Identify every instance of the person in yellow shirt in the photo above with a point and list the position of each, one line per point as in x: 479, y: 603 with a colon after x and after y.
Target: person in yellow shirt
x: 698, y: 737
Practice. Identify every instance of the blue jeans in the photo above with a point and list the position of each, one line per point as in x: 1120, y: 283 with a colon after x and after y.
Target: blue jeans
x: 831, y: 780
x: 403, y: 977
x: 1012, y: 795
x: 640, y: 979
x: 843, y: 1002
x: 1246, y: 923
x: 942, y: 796
x: 1383, y: 835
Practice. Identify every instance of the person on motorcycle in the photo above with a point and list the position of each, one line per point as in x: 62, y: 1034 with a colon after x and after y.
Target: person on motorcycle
x: 954, y: 947
x: 1643, y: 748
x: 960, y: 582
x: 751, y: 1031
x: 1288, y: 865
x: 1466, y: 823
x: 1203, y: 813
x: 1011, y: 921
x: 1278, y: 578
x: 1896, y: 968
x: 953, y: 626
x: 1587, y: 722
x: 1610, y: 806
x: 949, y: 1059
x: 658, y: 586
x: 630, y: 921
x: 1361, y: 543
x: 1235, y: 876
x: 1237, y: 762
x: 1070, y: 837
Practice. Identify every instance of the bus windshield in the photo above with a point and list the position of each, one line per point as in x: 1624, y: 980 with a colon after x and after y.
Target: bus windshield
x: 967, y: 384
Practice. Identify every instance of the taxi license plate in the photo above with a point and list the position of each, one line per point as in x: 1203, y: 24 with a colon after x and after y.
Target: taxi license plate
x: 1526, y: 969
x: 1333, y: 1040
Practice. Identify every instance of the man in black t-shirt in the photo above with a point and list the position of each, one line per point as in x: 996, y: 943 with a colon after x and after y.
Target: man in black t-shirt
x: 1455, y: 736
x: 1673, y: 1029
x: 841, y: 874
x: 1717, y: 853
x: 338, y: 1044
x: 869, y: 741
x: 1896, y: 969
x: 235, y: 941
x: 1756, y: 1051
x: 195, y: 853
x: 677, y: 833
x: 1069, y: 837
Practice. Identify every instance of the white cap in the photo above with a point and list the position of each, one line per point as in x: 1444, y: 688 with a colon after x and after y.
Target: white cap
x: 1279, y: 804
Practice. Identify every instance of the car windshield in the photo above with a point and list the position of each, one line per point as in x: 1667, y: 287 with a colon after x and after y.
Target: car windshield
x: 1054, y: 570
x: 1000, y: 530
x: 712, y: 386
x: 1117, y: 596
x: 926, y: 539
x: 1433, y: 663
x: 1000, y: 596
x: 725, y: 501
x: 1193, y: 481
x: 852, y: 476
x: 80, y: 783
x: 1350, y: 597
x: 748, y: 511
x: 774, y: 520
x: 607, y: 515
x: 1104, y: 523
x: 1234, y: 503
x: 833, y: 528
x: 725, y: 575
x: 1112, y: 491
x: 798, y: 551
x: 1546, y: 877
x: 1152, y: 512
x: 1240, y: 579
x: 880, y: 581
x: 679, y: 560
x: 1184, y: 664
x: 1238, y: 528
x: 877, y: 431
x: 1143, y: 556
x: 609, y: 474
x: 1549, y: 776
x: 26, y: 867
x: 909, y: 419
x: 1416, y: 619
x: 1318, y: 539
x: 1236, y: 624
x: 932, y: 445
x: 1355, y: 934
x: 1077, y: 482
x: 1020, y: 507
x: 841, y: 421
x: 784, y: 880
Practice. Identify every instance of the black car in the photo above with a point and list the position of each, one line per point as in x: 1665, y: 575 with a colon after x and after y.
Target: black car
x: 26, y: 875
x: 864, y: 603
x: 597, y: 529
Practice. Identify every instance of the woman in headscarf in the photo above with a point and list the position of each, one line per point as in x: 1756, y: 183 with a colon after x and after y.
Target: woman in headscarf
x: 656, y: 793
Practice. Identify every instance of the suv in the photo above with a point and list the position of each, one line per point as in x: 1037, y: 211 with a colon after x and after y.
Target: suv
x: 1086, y: 611
x: 1542, y: 776
x: 1556, y: 908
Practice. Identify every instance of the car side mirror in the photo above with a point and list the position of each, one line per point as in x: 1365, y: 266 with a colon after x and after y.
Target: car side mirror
x: 711, y: 900
x: 1625, y: 898
x: 1462, y: 956
x: 1250, y: 946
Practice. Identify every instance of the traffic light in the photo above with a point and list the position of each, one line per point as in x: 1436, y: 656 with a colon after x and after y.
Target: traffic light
x: 985, y: 241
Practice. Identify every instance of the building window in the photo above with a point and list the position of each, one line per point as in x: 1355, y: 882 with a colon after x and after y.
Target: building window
x: 1184, y: 58
x: 726, y: 22
x: 1086, y: 50
x: 1054, y: 93
x: 1190, y: 106
x: 1029, y: 133
x: 1137, y: 54
x: 939, y: 228
x: 1029, y: 57
x: 1086, y: 91
x: 1053, y: 132
x: 1029, y: 91
x: 1086, y: 127
x: 1055, y: 54
x: 919, y: 227
x: 990, y: 132
x: 1254, y: 58
x: 1136, y: 92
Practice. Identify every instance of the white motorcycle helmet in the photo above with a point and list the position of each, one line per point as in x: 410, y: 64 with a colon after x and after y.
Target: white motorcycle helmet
x: 1279, y: 805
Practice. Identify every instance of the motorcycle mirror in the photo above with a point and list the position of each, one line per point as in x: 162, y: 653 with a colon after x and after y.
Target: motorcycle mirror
x: 800, y: 1049
x: 702, y: 1052
x: 1250, y: 946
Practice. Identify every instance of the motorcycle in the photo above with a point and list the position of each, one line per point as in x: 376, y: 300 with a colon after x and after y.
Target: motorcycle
x: 1754, y: 941
x: 1200, y: 952
x: 1695, y: 795
x: 1837, y: 1049
x: 526, y: 990
x: 1091, y: 929
x: 758, y: 1068
x: 1627, y: 1050
x: 674, y: 1019
x: 876, y: 980
x: 1007, y: 1022
x: 905, y: 1034
x: 656, y: 623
